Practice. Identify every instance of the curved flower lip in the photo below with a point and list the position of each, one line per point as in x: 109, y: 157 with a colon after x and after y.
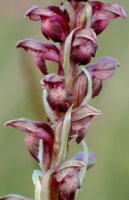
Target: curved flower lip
x: 50, y: 51
x: 39, y: 129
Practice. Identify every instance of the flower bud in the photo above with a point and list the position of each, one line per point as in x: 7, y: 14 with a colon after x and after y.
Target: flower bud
x: 68, y: 179
x: 80, y: 89
x: 58, y: 97
x: 81, y: 119
x: 83, y: 47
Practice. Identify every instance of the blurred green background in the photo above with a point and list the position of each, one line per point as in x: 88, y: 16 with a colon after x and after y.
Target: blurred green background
x: 20, y: 96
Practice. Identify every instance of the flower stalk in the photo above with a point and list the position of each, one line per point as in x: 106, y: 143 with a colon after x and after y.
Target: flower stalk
x: 72, y: 28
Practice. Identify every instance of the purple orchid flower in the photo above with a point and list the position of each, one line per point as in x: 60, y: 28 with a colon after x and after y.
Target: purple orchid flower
x: 36, y: 131
x: 42, y: 52
x: 54, y: 21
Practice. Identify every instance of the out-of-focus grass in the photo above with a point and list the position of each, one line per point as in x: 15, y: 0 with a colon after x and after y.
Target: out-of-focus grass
x: 20, y: 96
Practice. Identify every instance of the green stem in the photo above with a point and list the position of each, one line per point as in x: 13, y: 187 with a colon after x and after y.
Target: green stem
x: 48, y: 110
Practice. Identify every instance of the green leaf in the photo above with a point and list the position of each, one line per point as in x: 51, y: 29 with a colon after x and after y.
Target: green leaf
x: 40, y: 154
x: 89, y: 91
x: 48, y: 110
x: 36, y: 180
x: 46, y: 184
x: 88, y: 15
x: 67, y: 51
x: 65, y: 135
x: 85, y: 160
